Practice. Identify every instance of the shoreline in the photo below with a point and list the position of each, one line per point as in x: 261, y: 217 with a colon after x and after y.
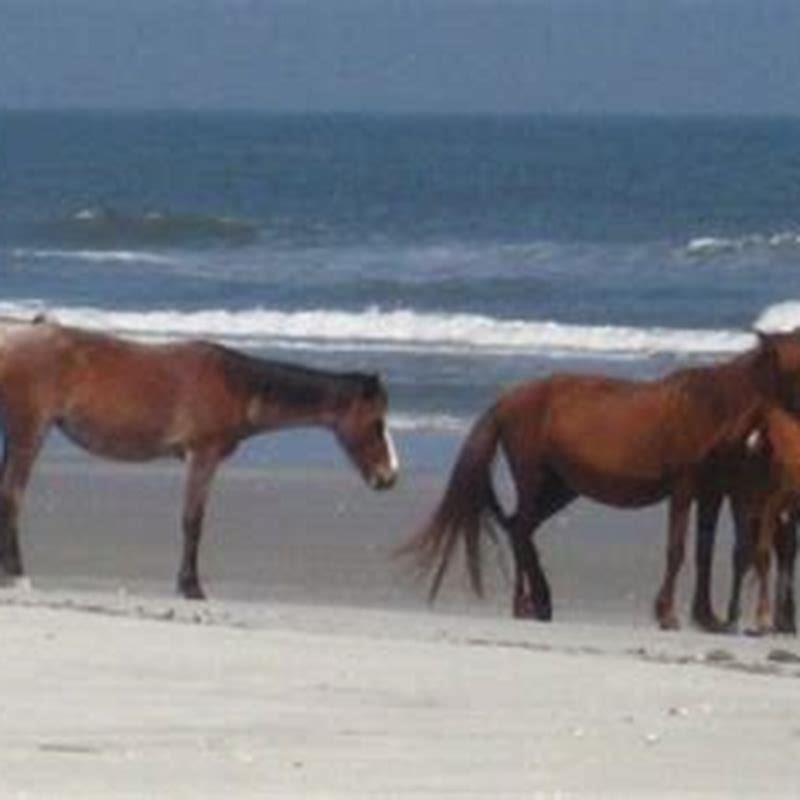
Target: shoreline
x: 320, y: 536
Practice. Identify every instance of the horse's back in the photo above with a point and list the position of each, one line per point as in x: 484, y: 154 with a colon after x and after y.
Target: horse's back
x: 114, y: 396
x: 175, y: 392
x: 611, y: 439
x: 27, y: 346
x: 593, y: 403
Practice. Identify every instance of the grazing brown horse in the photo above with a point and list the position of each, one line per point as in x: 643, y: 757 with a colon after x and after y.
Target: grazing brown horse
x: 193, y: 400
x: 623, y: 443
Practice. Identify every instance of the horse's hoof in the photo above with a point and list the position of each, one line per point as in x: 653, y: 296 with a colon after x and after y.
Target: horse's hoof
x: 665, y: 614
x: 785, y: 626
x: 785, y: 623
x: 710, y: 623
x: 668, y: 622
x: 731, y: 627
x: 524, y: 609
x: 21, y: 583
x: 191, y: 591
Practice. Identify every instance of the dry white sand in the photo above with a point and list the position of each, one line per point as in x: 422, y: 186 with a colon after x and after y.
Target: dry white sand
x: 123, y: 697
x: 316, y: 671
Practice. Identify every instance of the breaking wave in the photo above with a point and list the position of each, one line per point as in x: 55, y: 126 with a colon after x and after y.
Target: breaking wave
x: 404, y: 330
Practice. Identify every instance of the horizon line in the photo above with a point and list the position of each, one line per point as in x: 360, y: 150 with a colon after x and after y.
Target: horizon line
x: 345, y: 112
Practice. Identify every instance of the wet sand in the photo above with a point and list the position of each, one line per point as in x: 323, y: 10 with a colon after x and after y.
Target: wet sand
x: 322, y: 537
x: 317, y: 670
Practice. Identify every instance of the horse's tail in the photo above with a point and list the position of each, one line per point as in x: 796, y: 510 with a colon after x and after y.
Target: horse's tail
x: 469, y: 506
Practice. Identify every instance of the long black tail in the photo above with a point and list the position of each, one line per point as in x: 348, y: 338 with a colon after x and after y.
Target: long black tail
x: 469, y: 506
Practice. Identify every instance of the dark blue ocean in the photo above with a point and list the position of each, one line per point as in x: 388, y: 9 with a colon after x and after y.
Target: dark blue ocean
x: 453, y: 254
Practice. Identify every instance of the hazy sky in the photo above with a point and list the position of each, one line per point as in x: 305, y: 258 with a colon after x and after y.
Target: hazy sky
x: 720, y: 56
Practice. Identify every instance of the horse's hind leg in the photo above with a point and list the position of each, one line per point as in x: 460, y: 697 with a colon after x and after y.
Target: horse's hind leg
x: 785, y: 552
x: 202, y: 466
x: 532, y: 597
x: 21, y: 448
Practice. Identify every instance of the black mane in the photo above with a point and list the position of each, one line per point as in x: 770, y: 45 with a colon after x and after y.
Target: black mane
x: 296, y: 384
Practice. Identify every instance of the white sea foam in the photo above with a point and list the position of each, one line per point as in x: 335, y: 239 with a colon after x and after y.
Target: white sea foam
x: 428, y: 422
x: 401, y: 330
x: 96, y: 256
x: 706, y: 246
x: 780, y: 317
x: 709, y: 245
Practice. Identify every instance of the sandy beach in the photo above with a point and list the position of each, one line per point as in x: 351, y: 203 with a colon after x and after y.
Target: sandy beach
x: 317, y: 670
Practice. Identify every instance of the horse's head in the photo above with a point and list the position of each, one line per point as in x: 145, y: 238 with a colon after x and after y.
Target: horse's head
x: 778, y: 367
x: 362, y: 431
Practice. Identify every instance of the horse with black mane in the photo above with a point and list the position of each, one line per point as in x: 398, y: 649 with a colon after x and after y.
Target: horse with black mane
x: 619, y: 442
x: 192, y: 400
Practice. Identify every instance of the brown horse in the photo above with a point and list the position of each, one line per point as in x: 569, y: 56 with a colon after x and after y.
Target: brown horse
x: 748, y: 479
x: 749, y: 516
x: 766, y: 506
x: 623, y: 443
x: 194, y: 400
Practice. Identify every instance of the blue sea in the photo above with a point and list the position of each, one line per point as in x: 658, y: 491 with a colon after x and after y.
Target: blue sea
x: 455, y: 255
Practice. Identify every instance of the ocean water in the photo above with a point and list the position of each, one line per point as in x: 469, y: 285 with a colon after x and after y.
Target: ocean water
x: 455, y: 255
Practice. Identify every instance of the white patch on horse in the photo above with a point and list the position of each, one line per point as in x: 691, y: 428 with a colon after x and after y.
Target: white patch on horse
x: 394, y: 463
x: 753, y: 441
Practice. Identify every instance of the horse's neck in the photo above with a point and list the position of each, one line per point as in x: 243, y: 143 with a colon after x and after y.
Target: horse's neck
x: 284, y: 396
x: 731, y: 398
x: 731, y: 388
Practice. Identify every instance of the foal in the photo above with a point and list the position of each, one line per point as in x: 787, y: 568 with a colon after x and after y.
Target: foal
x: 766, y: 507
x: 195, y: 401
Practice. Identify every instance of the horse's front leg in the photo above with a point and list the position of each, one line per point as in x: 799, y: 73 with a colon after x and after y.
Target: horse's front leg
x: 202, y: 465
x: 679, y: 506
x: 703, y: 614
x: 785, y: 555
x: 762, y: 557
x: 745, y: 534
x: 21, y: 448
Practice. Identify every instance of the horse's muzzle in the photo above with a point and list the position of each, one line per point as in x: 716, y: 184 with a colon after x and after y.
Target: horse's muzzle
x: 383, y: 479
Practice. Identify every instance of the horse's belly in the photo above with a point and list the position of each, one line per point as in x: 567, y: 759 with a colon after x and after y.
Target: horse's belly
x: 628, y: 493
x: 119, y: 442
x: 615, y: 484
